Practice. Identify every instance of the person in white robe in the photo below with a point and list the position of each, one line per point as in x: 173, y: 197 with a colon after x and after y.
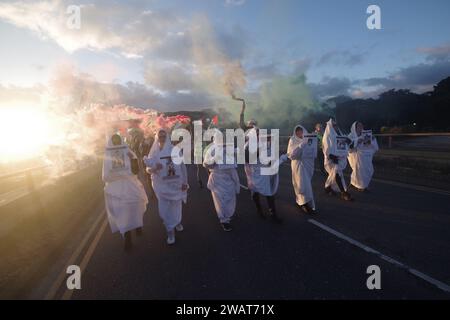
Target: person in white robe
x: 360, y: 157
x: 125, y: 196
x: 260, y: 184
x: 169, y: 182
x: 223, y: 182
x: 335, y: 151
x: 302, y: 155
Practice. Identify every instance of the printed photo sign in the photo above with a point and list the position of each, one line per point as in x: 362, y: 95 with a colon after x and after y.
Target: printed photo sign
x: 311, y: 146
x: 169, y: 171
x: 342, y: 146
x: 367, y: 137
x: 117, y: 161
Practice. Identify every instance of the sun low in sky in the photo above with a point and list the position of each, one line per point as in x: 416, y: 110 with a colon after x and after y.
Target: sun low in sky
x: 173, y: 55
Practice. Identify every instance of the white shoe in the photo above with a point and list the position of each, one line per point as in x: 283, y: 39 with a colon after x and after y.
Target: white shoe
x: 170, y: 237
x: 179, y: 227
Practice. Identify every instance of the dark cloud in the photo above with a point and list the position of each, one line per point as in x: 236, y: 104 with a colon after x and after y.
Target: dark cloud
x: 439, y: 53
x: 330, y: 87
x: 342, y: 57
x: 413, y: 77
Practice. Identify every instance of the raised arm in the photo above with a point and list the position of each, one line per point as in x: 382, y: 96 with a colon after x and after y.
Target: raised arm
x: 241, y: 116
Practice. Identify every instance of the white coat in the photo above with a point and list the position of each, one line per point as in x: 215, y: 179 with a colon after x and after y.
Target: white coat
x: 329, y: 146
x: 266, y: 185
x: 167, y: 182
x: 125, y: 196
x: 360, y: 159
x: 223, y: 182
x: 302, y: 166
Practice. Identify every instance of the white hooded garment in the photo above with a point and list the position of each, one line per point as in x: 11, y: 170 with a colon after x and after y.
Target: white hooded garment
x: 223, y: 182
x: 360, y: 159
x: 266, y: 185
x: 330, y: 146
x: 302, y: 165
x: 125, y: 196
x: 167, y: 182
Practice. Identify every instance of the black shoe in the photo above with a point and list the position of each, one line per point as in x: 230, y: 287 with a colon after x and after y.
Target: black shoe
x: 260, y: 213
x: 139, y: 231
x: 275, y: 218
x: 226, y: 227
x: 306, y: 208
x: 358, y: 189
x: 330, y: 191
x: 346, y: 196
x: 128, y: 243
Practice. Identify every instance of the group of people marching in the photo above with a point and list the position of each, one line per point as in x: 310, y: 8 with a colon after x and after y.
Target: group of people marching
x: 126, y: 199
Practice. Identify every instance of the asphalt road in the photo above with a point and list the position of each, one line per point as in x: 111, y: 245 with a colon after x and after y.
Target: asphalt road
x: 402, y: 229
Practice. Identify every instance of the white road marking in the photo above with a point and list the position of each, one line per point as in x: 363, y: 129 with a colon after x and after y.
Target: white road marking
x: 73, y: 258
x: 87, y: 257
x: 441, y: 285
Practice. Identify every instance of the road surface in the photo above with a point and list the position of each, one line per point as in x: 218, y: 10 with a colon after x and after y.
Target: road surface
x: 405, y: 230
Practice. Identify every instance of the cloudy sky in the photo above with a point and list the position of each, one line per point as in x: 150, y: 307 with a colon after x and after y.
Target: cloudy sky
x: 172, y: 55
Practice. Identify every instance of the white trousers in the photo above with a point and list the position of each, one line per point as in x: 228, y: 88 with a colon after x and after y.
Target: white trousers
x: 170, y: 212
x: 225, y: 206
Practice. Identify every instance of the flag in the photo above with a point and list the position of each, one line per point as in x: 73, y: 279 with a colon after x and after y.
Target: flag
x: 215, y: 120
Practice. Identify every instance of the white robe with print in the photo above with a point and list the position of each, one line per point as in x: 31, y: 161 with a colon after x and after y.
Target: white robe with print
x: 302, y: 166
x: 360, y: 160
x: 266, y: 185
x: 167, y: 183
x: 223, y: 182
x: 329, y: 146
x: 125, y: 196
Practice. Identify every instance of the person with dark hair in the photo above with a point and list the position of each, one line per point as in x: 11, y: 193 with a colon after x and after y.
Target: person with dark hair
x: 125, y: 197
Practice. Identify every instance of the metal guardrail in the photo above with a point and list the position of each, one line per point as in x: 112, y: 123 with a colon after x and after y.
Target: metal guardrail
x: 390, y: 136
x: 424, y: 134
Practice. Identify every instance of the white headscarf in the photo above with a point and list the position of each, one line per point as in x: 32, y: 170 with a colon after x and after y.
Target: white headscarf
x: 156, y: 151
x: 295, y: 141
x: 294, y: 137
x: 329, y: 138
x: 353, y: 134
